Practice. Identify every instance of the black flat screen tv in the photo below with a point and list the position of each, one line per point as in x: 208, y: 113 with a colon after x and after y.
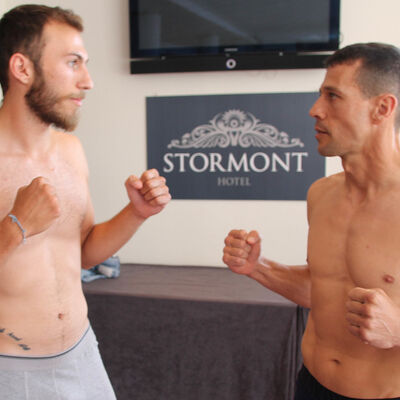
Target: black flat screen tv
x: 201, y: 35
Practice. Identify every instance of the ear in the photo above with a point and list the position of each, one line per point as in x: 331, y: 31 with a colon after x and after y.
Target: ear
x: 21, y: 68
x: 385, y: 107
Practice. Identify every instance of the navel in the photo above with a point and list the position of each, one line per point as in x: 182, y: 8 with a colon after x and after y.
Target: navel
x: 60, y: 316
x: 388, y: 278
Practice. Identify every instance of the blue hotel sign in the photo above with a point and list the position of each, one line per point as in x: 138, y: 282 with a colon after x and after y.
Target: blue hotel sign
x: 249, y: 147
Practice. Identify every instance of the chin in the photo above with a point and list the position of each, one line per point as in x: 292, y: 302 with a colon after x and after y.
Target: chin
x: 326, y: 152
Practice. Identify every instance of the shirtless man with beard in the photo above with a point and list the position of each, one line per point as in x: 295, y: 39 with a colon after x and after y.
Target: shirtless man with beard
x: 351, y: 281
x: 47, y: 348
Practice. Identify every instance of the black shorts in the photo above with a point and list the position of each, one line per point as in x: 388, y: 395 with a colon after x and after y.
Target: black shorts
x: 308, y: 388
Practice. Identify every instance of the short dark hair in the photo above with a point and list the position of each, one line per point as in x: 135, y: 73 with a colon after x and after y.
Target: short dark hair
x: 379, y: 71
x: 21, y: 31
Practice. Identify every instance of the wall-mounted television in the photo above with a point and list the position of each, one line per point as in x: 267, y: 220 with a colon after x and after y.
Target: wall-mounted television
x: 205, y: 35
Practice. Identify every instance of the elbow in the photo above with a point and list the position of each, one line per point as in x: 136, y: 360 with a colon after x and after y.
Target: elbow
x: 304, y: 299
x: 86, y: 263
x: 306, y: 303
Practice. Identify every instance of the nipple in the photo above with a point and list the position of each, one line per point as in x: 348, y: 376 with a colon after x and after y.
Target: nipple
x: 388, y: 278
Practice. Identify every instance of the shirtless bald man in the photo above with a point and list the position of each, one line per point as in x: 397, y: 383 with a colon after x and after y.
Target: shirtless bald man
x: 351, y: 282
x: 47, y: 229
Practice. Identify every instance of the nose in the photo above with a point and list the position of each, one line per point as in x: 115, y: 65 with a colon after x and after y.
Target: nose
x: 316, y: 111
x: 85, y: 81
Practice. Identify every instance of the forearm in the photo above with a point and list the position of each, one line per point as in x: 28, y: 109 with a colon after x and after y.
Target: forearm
x: 292, y: 282
x: 105, y: 239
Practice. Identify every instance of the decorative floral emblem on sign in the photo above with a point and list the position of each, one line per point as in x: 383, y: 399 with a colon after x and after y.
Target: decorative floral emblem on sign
x: 235, y: 128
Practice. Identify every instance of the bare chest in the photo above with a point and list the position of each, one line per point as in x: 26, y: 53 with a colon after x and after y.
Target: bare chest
x: 69, y: 183
x: 359, y: 248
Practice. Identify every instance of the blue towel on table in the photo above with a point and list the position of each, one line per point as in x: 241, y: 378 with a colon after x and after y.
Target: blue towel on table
x: 109, y: 268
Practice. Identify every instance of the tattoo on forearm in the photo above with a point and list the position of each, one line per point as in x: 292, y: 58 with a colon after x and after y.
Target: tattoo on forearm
x: 16, y: 338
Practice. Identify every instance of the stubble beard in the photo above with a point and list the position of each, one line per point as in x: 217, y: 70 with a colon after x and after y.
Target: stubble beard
x: 43, y: 101
x: 330, y: 150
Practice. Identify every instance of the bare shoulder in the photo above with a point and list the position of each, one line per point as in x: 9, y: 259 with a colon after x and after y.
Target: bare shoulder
x: 67, y: 141
x: 71, y: 149
x: 325, y: 185
x: 323, y: 189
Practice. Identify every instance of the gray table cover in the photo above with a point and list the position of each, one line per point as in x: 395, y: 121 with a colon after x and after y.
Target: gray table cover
x: 195, y: 333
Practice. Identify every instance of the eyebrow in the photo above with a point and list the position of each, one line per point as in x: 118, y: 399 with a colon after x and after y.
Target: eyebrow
x: 330, y: 89
x: 79, y: 56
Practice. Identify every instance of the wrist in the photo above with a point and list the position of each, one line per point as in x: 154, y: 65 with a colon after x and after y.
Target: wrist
x: 10, y: 233
x: 256, y: 268
x: 263, y: 267
x: 15, y: 220
x: 135, y: 214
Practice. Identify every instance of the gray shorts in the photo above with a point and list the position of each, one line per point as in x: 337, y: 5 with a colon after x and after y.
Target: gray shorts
x: 76, y: 374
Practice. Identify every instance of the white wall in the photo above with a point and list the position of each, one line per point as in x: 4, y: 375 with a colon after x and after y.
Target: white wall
x: 113, y: 128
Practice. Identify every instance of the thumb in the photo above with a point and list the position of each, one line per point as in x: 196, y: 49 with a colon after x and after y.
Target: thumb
x: 254, y: 240
x: 133, y: 182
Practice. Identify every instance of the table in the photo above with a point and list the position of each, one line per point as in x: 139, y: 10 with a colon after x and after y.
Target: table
x: 195, y: 333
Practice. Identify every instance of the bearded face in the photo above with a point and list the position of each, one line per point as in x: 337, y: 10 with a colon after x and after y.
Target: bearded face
x: 50, y: 106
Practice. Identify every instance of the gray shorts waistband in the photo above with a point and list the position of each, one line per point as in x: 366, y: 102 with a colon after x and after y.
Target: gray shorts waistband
x: 29, y: 363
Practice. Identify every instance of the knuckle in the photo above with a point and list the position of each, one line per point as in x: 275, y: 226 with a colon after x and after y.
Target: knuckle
x: 372, y: 296
x: 152, y: 183
x: 367, y: 325
x: 367, y: 310
x: 151, y: 173
x: 44, y: 187
x: 230, y: 252
x: 145, y: 176
x: 41, y: 181
x: 247, y: 248
x: 242, y: 253
x: 55, y: 206
x: 160, y: 199
x: 149, y: 194
x: 153, y: 194
x: 364, y: 335
x: 146, y: 186
x: 238, y: 243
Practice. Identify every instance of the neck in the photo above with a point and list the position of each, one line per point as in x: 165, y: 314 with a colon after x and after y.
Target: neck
x: 375, y: 167
x: 21, y: 131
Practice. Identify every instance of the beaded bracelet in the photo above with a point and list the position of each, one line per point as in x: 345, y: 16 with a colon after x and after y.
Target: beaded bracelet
x: 15, y: 219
